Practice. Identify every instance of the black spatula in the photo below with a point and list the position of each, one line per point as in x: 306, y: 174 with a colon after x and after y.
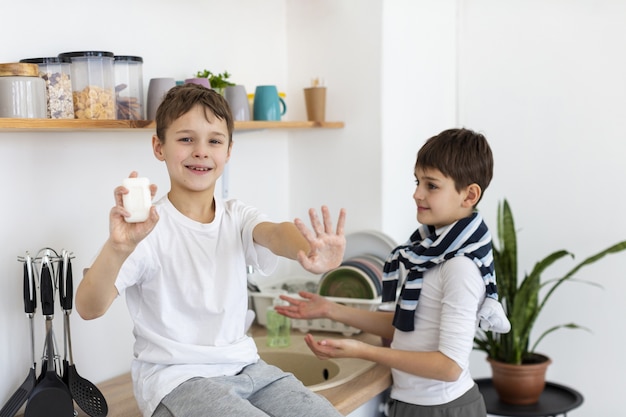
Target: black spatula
x: 50, y: 396
x: 86, y: 394
x: 20, y: 396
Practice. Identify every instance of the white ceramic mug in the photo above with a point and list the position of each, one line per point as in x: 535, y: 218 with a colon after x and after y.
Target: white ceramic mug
x: 157, y: 88
x: 237, y: 99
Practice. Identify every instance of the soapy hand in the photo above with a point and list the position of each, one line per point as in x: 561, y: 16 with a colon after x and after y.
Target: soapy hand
x: 326, y: 246
x: 311, y: 306
x: 335, y: 348
x: 128, y: 235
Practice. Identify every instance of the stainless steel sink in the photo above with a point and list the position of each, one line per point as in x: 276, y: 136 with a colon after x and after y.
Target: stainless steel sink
x: 314, y: 373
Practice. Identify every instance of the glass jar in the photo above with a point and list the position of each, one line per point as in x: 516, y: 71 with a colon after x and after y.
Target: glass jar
x: 55, y: 72
x: 129, y: 87
x: 93, y: 84
x: 22, y: 91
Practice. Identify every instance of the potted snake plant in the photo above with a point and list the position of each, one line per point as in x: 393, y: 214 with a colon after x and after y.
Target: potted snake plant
x: 512, y: 354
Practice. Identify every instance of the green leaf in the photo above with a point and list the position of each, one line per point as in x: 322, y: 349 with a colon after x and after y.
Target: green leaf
x: 216, y: 80
x: 521, y: 299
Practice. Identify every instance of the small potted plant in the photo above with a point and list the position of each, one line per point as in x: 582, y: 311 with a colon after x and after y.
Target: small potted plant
x: 218, y: 82
x: 511, y: 354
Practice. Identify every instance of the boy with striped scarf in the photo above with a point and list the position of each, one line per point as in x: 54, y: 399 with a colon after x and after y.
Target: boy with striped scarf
x: 448, y: 287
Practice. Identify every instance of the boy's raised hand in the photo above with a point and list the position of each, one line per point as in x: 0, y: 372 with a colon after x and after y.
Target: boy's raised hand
x: 125, y: 236
x: 326, y: 245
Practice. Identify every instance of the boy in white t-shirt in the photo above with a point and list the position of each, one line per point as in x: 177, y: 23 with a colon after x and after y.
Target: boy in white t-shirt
x: 183, y: 271
x: 448, y: 289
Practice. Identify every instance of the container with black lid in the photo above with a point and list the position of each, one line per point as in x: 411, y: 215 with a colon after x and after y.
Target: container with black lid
x: 129, y: 87
x: 55, y: 72
x: 93, y: 84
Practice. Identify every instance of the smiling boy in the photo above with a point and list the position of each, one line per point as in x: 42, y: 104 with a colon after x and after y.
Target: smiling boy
x: 184, y: 275
x: 449, y: 288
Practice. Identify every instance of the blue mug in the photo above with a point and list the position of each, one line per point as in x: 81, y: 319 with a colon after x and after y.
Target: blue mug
x: 267, y: 104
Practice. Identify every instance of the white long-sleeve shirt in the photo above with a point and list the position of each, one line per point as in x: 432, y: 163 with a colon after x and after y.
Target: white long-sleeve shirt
x: 445, y: 321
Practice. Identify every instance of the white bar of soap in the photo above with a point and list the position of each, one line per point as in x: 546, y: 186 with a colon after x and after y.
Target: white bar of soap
x: 138, y: 200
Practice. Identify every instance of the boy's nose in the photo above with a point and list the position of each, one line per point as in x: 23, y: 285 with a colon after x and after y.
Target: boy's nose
x: 200, y: 152
x: 417, y: 193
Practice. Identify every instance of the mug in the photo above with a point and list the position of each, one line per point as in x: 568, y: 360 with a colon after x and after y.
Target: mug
x: 200, y: 81
x: 157, y: 88
x: 267, y: 103
x: 237, y: 99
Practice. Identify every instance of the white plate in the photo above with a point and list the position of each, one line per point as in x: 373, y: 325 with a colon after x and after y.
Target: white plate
x: 369, y: 242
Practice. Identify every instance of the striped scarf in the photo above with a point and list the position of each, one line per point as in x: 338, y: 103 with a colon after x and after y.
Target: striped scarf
x: 466, y: 237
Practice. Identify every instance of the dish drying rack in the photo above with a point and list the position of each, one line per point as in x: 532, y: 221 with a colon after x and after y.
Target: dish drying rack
x: 264, y: 299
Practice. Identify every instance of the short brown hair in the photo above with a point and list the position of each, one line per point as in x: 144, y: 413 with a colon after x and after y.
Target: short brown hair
x: 461, y: 154
x: 182, y: 98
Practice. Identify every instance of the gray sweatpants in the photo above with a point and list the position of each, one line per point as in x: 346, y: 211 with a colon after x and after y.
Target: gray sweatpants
x: 470, y: 404
x: 259, y: 390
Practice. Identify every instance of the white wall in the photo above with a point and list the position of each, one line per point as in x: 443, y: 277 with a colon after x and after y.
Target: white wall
x: 58, y: 185
x: 341, y: 42
x: 542, y: 79
x: 545, y: 82
x: 418, y: 97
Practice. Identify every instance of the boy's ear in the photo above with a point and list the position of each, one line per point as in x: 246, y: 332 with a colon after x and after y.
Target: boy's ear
x: 230, y: 148
x: 473, y: 193
x: 157, y: 148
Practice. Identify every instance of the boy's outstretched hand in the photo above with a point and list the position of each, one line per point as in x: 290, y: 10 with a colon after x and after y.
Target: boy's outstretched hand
x: 326, y: 245
x: 336, y: 348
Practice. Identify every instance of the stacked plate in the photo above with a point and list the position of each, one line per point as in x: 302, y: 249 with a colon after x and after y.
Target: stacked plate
x: 360, y: 274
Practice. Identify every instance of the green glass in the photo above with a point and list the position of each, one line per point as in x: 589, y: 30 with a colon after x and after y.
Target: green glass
x: 278, y: 329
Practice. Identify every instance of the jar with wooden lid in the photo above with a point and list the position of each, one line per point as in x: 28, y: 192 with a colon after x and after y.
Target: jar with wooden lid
x: 22, y: 91
x: 55, y: 72
x: 93, y: 84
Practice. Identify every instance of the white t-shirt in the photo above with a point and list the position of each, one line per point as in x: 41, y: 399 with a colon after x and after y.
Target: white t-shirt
x: 186, y: 292
x: 445, y: 321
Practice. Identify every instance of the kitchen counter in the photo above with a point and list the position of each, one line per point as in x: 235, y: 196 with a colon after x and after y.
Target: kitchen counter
x: 349, y: 396
x: 346, y: 398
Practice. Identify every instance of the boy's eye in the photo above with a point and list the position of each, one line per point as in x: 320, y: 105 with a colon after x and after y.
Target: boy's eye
x: 430, y: 185
x: 186, y: 139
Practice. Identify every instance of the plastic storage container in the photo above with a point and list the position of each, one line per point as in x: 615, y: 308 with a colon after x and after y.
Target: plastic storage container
x: 22, y: 91
x: 129, y: 87
x: 56, y: 74
x: 93, y: 84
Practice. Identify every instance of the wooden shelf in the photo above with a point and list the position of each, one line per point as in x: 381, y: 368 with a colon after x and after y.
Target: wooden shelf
x: 31, y: 125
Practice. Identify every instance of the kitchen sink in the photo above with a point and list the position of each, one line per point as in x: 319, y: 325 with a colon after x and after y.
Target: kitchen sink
x: 314, y: 373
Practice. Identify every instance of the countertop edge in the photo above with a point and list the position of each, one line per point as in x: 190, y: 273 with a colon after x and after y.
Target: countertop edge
x: 346, y: 398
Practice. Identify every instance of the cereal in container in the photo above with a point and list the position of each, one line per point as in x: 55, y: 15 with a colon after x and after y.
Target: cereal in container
x: 55, y: 72
x: 129, y: 87
x: 93, y: 84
